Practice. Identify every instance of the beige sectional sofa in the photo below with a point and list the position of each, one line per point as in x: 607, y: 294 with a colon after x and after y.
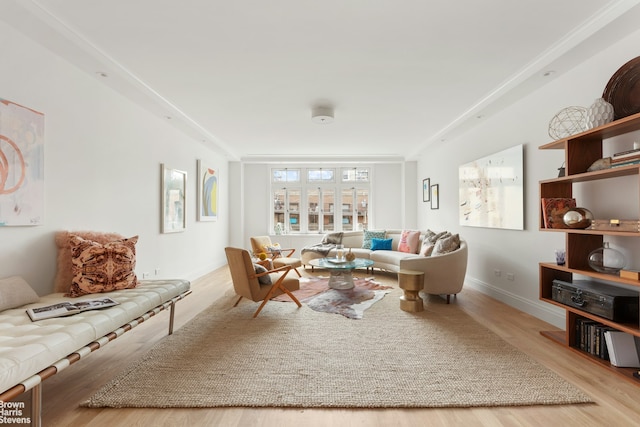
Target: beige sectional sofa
x: 443, y: 273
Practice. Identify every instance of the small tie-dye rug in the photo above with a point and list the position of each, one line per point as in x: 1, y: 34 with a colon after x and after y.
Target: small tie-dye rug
x: 351, y: 303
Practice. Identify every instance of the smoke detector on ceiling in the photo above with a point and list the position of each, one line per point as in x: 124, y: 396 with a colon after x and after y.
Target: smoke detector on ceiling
x: 322, y: 115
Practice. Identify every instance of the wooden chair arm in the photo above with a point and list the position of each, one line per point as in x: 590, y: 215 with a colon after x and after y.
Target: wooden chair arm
x: 275, y: 270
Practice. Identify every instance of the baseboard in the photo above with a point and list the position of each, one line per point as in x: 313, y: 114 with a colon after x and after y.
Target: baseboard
x: 539, y: 309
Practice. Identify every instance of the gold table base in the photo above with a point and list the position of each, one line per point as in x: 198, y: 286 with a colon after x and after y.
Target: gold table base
x: 411, y: 282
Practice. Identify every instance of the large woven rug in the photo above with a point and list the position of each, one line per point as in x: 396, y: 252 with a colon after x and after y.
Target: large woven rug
x: 297, y: 357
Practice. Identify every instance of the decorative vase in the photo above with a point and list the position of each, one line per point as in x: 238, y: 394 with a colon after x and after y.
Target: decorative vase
x: 577, y: 218
x: 606, y: 260
x: 350, y: 256
x: 599, y: 113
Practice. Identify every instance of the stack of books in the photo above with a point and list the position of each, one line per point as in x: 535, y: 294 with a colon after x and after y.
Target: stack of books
x: 626, y: 158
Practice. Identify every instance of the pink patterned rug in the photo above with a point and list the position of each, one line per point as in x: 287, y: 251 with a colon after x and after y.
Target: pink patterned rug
x: 316, y: 294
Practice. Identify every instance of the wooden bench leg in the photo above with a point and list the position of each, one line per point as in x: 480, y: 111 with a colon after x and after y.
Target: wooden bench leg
x: 36, y: 406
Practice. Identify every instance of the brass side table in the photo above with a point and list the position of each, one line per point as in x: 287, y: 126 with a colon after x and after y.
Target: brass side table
x: 411, y: 282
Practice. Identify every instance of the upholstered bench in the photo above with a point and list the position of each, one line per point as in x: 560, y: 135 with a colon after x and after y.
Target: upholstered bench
x: 31, y: 352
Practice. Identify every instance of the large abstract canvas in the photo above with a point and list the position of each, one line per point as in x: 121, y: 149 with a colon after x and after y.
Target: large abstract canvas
x: 491, y: 191
x: 21, y: 165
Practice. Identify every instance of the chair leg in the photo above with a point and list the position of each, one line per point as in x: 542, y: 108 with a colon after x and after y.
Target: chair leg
x: 237, y: 302
x: 297, y: 272
x: 288, y: 292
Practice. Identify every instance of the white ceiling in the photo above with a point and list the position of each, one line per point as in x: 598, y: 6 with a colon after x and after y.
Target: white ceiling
x: 243, y: 75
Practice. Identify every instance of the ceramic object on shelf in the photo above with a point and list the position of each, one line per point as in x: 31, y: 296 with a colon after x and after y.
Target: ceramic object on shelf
x: 606, y: 260
x: 577, y: 218
x: 599, y: 113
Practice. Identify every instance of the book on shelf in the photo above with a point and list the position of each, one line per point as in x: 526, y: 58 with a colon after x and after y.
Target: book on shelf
x: 635, y: 156
x: 626, y: 153
x: 67, y: 308
x: 629, y: 163
x: 624, y: 349
x: 554, y: 208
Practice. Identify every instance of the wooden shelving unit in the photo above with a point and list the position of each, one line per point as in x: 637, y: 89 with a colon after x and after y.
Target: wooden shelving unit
x: 581, y: 151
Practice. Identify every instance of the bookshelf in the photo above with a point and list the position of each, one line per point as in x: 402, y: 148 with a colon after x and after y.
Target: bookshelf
x: 580, y: 152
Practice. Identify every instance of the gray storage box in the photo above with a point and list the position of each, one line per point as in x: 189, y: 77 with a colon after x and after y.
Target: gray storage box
x: 607, y: 301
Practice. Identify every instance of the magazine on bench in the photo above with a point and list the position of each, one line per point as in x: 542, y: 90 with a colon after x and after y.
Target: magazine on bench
x: 68, y: 308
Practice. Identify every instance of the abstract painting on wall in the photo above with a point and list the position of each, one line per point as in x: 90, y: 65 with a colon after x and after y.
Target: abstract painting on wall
x: 491, y: 191
x: 21, y: 165
x: 208, y: 186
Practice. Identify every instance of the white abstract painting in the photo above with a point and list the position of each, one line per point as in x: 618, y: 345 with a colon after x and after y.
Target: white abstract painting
x: 21, y: 165
x: 491, y: 191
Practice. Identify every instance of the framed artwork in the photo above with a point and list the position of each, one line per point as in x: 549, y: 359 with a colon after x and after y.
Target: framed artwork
x: 21, y: 165
x: 174, y: 188
x: 208, y: 189
x: 426, y: 189
x: 491, y: 190
x: 435, y: 197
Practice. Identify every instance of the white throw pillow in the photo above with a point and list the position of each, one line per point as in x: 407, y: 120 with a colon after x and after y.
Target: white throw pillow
x: 15, y: 292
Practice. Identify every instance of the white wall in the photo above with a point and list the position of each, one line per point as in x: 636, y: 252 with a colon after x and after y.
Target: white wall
x: 102, y: 171
x: 526, y: 122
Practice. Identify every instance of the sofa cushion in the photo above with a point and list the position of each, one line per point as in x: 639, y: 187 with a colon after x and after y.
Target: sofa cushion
x: 15, y: 292
x: 381, y: 244
x: 102, y: 267
x: 446, y: 245
x: 409, y: 241
x: 427, y: 247
x: 371, y: 234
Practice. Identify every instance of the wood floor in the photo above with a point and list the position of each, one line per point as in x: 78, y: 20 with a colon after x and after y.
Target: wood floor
x: 617, y: 401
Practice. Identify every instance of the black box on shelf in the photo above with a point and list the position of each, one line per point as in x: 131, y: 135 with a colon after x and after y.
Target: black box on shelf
x: 607, y: 301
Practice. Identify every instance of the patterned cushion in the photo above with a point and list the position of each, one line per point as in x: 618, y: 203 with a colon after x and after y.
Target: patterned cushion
x: 102, y: 267
x: 429, y: 241
x: 409, y: 241
x: 446, y: 245
x: 15, y: 292
x: 381, y: 244
x: 263, y: 280
x: 272, y: 249
x: 63, y: 278
x: 368, y: 235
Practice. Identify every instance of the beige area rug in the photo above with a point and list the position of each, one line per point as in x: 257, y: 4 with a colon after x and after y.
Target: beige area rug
x: 315, y: 293
x: 297, y: 357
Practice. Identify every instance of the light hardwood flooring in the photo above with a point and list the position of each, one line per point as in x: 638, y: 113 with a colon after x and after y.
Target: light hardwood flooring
x: 617, y: 401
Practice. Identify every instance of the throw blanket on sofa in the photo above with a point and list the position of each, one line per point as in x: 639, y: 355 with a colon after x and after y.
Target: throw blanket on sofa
x: 329, y: 241
x: 321, y: 248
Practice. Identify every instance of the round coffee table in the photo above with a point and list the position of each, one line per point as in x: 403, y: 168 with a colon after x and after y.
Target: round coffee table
x: 341, y: 277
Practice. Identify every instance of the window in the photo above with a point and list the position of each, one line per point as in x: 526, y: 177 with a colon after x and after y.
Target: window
x: 312, y: 206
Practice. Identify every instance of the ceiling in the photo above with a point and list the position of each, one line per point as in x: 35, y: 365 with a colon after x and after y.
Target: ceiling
x: 244, y: 75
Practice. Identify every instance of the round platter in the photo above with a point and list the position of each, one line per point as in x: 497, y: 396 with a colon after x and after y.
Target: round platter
x: 623, y: 90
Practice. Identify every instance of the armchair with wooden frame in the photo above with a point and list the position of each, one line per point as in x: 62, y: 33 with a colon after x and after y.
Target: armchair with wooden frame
x: 280, y: 256
x: 247, y: 283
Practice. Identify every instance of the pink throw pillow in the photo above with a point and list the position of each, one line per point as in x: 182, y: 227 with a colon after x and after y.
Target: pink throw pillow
x: 409, y: 241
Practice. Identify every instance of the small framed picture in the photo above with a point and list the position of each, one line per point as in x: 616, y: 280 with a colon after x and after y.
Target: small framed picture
x: 435, y: 200
x: 174, y: 188
x: 426, y: 189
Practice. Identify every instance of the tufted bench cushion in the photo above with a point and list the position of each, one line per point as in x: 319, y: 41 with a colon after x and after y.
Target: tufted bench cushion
x: 28, y: 347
